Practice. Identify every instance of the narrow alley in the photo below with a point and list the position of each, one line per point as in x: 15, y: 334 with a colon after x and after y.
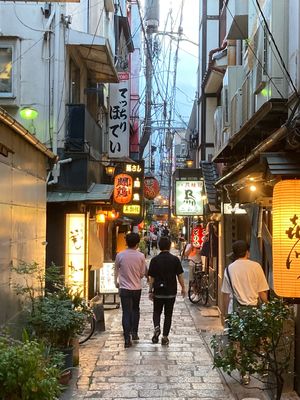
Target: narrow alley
x: 183, y: 370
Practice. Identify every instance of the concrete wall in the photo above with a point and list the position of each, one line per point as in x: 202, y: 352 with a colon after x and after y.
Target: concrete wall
x: 22, y: 213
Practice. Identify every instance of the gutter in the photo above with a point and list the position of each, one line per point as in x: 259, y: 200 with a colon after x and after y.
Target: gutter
x: 211, y: 67
x: 17, y: 127
x: 263, y: 146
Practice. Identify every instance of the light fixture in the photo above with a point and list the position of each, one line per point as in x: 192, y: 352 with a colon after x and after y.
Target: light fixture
x: 28, y: 113
x: 252, y: 188
x: 285, y: 238
x: 110, y: 170
x: 100, y: 218
x: 189, y: 162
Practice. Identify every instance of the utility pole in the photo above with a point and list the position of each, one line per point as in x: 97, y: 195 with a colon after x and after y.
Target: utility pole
x: 152, y: 22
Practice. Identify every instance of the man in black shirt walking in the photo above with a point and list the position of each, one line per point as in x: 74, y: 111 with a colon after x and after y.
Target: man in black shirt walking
x: 164, y: 271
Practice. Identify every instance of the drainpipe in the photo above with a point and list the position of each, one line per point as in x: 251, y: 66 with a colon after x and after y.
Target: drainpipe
x: 263, y: 146
x: 56, y: 171
x: 210, y: 58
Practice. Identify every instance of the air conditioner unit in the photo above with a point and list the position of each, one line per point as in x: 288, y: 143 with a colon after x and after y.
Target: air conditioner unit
x: 269, y: 79
x: 232, y: 81
x: 218, y: 129
x: 236, y: 112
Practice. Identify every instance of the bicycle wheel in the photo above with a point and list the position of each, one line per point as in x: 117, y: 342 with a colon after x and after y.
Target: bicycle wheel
x: 203, y: 295
x: 88, y: 330
x: 193, y: 293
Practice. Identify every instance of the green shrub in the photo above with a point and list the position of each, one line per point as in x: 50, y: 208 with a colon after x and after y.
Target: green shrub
x: 27, y: 372
x: 258, y: 342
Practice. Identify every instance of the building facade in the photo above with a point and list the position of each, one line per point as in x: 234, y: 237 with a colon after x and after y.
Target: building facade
x: 248, y: 118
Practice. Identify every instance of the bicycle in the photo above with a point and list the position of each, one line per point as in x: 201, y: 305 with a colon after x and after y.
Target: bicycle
x: 89, y: 326
x: 198, y: 286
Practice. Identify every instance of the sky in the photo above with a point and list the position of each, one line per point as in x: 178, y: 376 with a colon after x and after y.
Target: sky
x: 188, y: 52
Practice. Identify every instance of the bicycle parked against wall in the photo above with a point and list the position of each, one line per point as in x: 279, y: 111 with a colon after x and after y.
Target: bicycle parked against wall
x: 198, y: 286
x: 89, y: 326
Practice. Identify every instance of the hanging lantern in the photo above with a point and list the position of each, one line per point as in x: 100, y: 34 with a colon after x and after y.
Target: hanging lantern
x: 151, y: 187
x: 286, y: 238
x: 100, y: 218
x: 122, y: 188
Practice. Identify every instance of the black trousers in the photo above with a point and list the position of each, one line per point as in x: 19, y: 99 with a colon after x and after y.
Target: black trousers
x: 130, y: 301
x: 166, y: 304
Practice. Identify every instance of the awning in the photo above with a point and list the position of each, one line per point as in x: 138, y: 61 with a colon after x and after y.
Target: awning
x: 98, y: 193
x: 95, y: 51
x: 259, y: 127
x: 210, y: 176
x: 283, y: 164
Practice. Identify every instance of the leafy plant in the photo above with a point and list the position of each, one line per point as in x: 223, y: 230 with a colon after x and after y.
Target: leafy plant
x: 257, y: 343
x: 56, y: 313
x: 27, y: 371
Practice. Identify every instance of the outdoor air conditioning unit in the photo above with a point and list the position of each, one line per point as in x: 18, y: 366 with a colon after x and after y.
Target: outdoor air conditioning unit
x: 218, y: 129
x: 236, y: 112
x: 232, y: 81
x: 269, y: 80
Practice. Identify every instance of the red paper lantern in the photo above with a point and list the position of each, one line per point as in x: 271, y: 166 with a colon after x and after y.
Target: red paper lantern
x: 151, y: 187
x: 122, y: 188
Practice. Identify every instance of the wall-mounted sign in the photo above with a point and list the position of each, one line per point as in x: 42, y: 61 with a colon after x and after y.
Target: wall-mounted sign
x: 286, y: 238
x: 132, y: 208
x: 107, y: 278
x: 228, y: 209
x: 197, y: 236
x: 188, y: 197
x: 122, y: 188
x: 75, y: 254
x: 119, y: 120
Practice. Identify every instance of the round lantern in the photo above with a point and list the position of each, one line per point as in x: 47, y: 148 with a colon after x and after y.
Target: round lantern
x: 151, y: 187
x: 123, y: 188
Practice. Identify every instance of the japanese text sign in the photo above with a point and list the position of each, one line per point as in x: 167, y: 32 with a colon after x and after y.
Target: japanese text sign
x: 119, y: 120
x: 188, y: 197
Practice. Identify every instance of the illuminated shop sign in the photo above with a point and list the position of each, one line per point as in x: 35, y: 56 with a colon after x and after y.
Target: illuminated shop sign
x: 107, y: 278
x: 132, y: 209
x: 76, y: 251
x: 129, y: 189
x: 188, y: 197
x: 197, y: 236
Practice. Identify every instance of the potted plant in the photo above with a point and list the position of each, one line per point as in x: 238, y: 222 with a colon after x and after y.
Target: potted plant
x: 56, y: 314
x: 258, y: 342
x: 27, y: 371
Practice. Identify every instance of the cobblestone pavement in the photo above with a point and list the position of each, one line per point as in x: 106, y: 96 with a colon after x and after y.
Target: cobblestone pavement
x: 182, y: 370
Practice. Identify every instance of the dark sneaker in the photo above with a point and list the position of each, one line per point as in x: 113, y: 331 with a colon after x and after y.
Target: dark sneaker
x: 128, y: 343
x: 156, y: 335
x: 135, y: 336
x: 165, y: 340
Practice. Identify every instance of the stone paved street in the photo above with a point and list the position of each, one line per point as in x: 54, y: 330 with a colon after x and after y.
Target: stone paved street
x: 183, y: 370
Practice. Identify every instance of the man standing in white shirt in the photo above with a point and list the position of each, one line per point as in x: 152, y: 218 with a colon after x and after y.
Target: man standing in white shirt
x: 248, y: 282
x: 244, y: 283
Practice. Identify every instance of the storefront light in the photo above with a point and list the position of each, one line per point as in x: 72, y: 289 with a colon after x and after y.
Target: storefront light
x: 100, y: 218
x: 286, y: 238
x: 28, y: 113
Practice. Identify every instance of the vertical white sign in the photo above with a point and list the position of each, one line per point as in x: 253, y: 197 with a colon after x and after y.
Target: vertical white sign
x: 119, y: 120
x: 188, y: 198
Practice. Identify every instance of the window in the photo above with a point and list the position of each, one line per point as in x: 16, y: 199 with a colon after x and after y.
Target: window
x: 6, y: 72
